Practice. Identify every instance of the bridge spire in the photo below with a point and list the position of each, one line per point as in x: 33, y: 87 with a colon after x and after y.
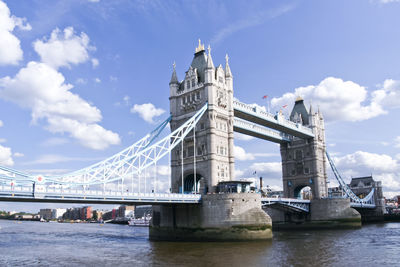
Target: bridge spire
x: 228, y: 72
x: 210, y: 64
x: 174, y: 77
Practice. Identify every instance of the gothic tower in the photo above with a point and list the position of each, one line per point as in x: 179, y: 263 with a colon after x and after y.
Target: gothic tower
x: 303, y: 160
x: 207, y: 156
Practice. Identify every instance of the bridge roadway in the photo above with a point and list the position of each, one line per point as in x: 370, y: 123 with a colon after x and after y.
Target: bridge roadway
x: 303, y: 205
x: 55, y: 195
x: 279, y: 123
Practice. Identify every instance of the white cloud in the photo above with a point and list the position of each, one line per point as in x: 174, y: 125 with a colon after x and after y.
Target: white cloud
x: 255, y: 19
x: 397, y: 142
x: 2, y: 140
x: 55, y: 141
x: 147, y: 111
x: 43, y: 90
x: 384, y: 143
x: 243, y: 137
x: 94, y: 1
x: 18, y: 155
x: 254, y: 105
x: 1, y: 123
x: 89, y: 134
x: 389, y: 95
x: 64, y: 49
x: 383, y: 167
x: 241, y: 154
x: 81, y: 81
x: 268, y: 168
x: 53, y: 158
x: 338, y: 100
x: 389, y: 1
x: 97, y: 80
x: 95, y: 62
x: 10, y: 48
x: 370, y: 162
x: 126, y: 100
x: 238, y: 173
x: 6, y: 156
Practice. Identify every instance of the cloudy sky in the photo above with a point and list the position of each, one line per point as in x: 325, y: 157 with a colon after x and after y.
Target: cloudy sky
x: 82, y: 79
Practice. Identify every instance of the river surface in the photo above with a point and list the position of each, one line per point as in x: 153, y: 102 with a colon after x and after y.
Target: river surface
x: 64, y: 244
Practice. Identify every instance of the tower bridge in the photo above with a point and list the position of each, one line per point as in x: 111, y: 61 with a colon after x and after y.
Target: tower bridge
x: 200, y: 151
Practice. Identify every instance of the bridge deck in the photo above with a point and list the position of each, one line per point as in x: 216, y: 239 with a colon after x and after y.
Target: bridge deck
x: 25, y: 194
x: 256, y: 115
x: 255, y: 130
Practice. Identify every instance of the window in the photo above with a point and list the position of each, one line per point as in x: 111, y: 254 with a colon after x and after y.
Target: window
x: 222, y: 150
x: 184, y: 153
x: 199, y: 151
x: 190, y: 151
x: 198, y: 95
x: 299, y: 154
x: 202, y: 126
x: 187, y: 84
x: 306, y: 170
x: 193, y: 83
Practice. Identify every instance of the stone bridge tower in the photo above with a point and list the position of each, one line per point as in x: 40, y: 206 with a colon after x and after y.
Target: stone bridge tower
x: 212, y: 145
x: 303, y: 160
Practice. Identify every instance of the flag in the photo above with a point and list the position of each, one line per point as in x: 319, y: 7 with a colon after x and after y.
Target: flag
x: 264, y: 97
x: 284, y: 106
x: 254, y: 173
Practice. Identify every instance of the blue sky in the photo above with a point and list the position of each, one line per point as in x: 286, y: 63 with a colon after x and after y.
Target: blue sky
x: 71, y: 73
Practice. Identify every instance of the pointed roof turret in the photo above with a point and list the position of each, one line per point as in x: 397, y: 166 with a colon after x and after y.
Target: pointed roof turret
x: 174, y: 77
x: 228, y: 72
x: 300, y: 108
x: 311, y: 111
x: 210, y: 64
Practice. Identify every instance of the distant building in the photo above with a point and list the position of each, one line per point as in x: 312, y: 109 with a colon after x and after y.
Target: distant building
x: 46, y: 214
x: 84, y: 213
x: 275, y: 194
x: 362, y: 186
x: 143, y: 210
x: 110, y: 215
x: 57, y: 213
x: 126, y: 211
x: 335, y: 192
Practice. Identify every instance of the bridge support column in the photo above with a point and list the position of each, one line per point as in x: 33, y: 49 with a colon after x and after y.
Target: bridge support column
x: 328, y: 213
x: 220, y: 217
x: 373, y: 215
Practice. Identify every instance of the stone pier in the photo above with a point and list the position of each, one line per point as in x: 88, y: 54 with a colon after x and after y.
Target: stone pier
x: 329, y: 213
x: 220, y: 217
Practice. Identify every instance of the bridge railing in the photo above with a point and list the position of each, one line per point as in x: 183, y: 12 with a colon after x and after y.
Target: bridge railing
x: 57, y: 193
x: 277, y: 119
x: 259, y: 129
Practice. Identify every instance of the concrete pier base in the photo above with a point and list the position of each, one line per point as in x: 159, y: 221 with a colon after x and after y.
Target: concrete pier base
x: 324, y: 214
x: 220, y: 217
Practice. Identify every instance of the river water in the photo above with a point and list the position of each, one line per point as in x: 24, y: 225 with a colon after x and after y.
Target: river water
x: 64, y: 244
